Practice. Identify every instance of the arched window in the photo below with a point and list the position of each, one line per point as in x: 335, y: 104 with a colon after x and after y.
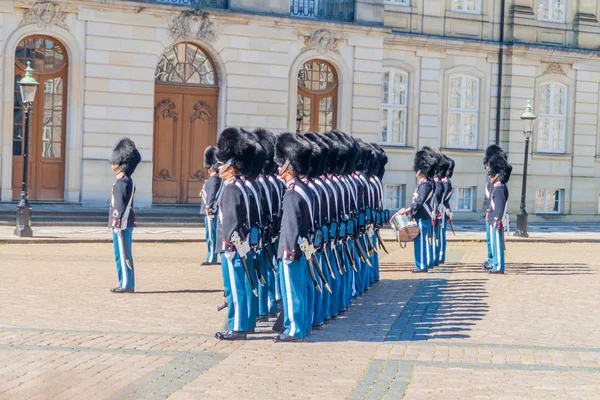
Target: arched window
x: 394, y: 107
x: 463, y: 111
x: 47, y: 129
x: 186, y: 63
x: 552, y: 118
x: 317, y: 97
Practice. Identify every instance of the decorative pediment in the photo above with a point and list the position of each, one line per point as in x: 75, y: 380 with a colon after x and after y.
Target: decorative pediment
x: 194, y: 24
x: 322, y: 41
x: 554, y: 68
x: 46, y: 16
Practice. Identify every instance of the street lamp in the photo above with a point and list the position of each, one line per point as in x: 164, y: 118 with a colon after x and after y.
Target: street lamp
x: 28, y: 86
x: 299, y: 118
x: 528, y: 119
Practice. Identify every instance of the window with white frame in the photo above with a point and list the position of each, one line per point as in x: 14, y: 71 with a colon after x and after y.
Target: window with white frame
x: 552, y: 118
x: 469, y: 6
x: 463, y: 111
x: 393, y: 107
x: 548, y: 201
x: 398, y: 2
x: 462, y: 199
x: 551, y: 10
x: 394, y: 197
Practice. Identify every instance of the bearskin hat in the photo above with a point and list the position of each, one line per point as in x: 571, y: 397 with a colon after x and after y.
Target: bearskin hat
x: 331, y: 165
x: 267, y: 140
x: 343, y: 153
x: 210, y: 157
x: 491, y: 151
x: 126, y: 156
x: 383, y: 160
x: 237, y: 147
x: 323, y: 148
x: 443, y: 164
x: 289, y: 147
x: 498, y: 165
x: 450, y: 168
x: 260, y: 157
x: 374, y: 166
x: 424, y: 163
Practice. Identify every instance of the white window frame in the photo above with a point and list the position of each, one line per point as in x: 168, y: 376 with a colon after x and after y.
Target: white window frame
x: 464, y: 10
x: 404, y: 3
x: 456, y: 194
x: 547, y: 4
x: 561, y: 193
x: 552, y: 118
x: 462, y: 111
x: 390, y: 107
x: 401, y: 189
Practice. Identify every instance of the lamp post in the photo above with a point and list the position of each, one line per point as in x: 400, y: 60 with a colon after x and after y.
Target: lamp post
x: 299, y: 118
x: 528, y: 119
x: 28, y: 87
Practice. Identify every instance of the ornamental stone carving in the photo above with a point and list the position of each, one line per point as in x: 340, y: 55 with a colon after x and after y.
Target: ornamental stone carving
x: 322, y: 41
x: 46, y: 16
x: 194, y: 24
x: 554, y: 68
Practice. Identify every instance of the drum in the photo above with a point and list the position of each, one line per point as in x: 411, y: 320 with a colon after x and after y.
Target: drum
x: 406, y: 228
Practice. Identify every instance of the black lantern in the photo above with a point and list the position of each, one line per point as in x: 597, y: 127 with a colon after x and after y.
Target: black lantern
x: 528, y: 119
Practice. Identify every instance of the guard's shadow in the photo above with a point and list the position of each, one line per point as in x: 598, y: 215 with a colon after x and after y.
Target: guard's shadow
x: 529, y: 269
x: 181, y: 291
x: 439, y: 309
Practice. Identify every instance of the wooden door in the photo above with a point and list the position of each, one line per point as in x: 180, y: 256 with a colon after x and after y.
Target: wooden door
x: 47, y: 124
x: 184, y: 125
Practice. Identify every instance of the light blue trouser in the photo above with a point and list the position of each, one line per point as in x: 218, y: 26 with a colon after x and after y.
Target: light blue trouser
x: 235, y: 283
x: 263, y: 291
x: 121, y: 243
x: 423, y: 249
x: 442, y: 246
x: 437, y: 241
x: 292, y: 278
x: 497, y: 244
x: 272, y: 285
x: 310, y: 296
x: 326, y: 306
x: 488, y: 241
x: 375, y: 259
x: 357, y: 276
x: 211, y: 242
x: 336, y: 285
x: 350, y: 275
x: 343, y: 278
x: 319, y: 306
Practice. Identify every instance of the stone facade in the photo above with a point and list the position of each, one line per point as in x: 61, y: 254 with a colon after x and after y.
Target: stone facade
x: 114, y: 47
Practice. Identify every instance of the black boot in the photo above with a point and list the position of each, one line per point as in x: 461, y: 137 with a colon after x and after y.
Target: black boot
x: 122, y: 290
x: 284, y: 337
x: 496, y: 271
x: 231, y: 335
x: 418, y: 271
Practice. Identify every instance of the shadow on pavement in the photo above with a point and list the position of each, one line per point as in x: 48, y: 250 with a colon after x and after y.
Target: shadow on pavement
x: 181, y: 291
x: 529, y: 269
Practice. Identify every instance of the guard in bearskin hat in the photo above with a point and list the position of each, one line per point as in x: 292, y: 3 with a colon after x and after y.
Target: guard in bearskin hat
x: 210, y: 195
x: 491, y: 151
x: 499, y: 171
x: 420, y: 209
x: 292, y: 155
x: 124, y: 159
x: 445, y: 175
x: 235, y: 153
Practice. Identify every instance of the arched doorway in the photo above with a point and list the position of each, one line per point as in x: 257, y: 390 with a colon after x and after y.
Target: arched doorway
x: 185, y: 122
x: 317, y: 96
x: 49, y: 61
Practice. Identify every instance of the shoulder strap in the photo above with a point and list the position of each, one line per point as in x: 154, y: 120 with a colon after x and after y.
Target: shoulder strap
x: 246, y: 200
x: 256, y: 200
x: 326, y: 198
x: 267, y: 193
x: 129, y: 204
x: 303, y: 194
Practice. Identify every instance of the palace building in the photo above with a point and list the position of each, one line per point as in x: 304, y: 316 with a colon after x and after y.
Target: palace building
x: 171, y: 74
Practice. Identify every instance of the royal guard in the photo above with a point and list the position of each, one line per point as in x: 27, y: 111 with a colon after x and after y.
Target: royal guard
x: 124, y: 159
x: 499, y: 171
x: 236, y: 154
x: 491, y: 151
x: 446, y: 211
x: 210, y: 195
x: 420, y: 209
x: 292, y: 155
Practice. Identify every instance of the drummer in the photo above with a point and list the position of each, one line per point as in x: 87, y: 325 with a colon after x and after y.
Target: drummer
x: 424, y: 166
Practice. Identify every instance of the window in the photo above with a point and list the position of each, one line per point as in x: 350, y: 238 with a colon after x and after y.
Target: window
x: 394, y: 197
x: 462, y: 199
x: 470, y: 6
x: 463, y: 112
x: 393, y: 107
x: 548, y: 201
x: 552, y: 118
x: 317, y: 97
x: 398, y: 2
x: 551, y: 10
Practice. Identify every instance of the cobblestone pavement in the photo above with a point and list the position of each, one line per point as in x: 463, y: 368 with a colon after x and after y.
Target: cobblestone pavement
x: 455, y: 333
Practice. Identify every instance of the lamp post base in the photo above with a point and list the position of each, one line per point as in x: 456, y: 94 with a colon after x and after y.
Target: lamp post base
x: 23, y: 228
x: 521, y: 230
